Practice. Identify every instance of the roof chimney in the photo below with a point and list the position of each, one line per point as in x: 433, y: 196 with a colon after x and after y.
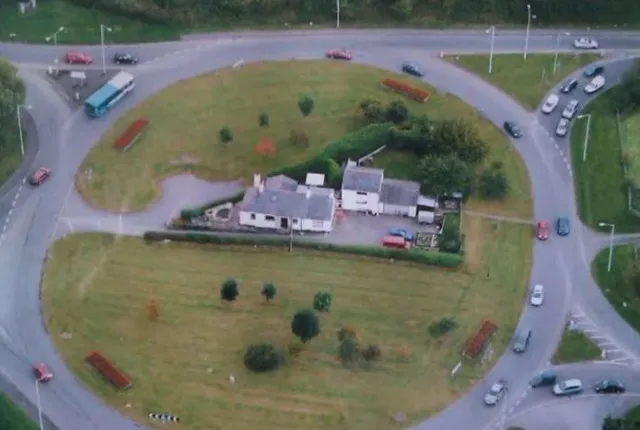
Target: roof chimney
x: 260, y: 187
x: 256, y: 180
x: 308, y: 192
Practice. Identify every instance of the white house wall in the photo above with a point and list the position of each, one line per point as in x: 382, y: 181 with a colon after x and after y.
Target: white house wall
x: 260, y: 221
x: 318, y: 226
x: 398, y: 210
x: 364, y: 202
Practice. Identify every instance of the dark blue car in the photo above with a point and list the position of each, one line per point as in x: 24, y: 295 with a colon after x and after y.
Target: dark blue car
x: 401, y: 232
x: 412, y: 69
x: 593, y: 71
x: 563, y: 226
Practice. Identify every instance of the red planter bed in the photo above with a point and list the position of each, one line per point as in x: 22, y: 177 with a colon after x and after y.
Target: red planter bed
x: 480, y: 338
x: 407, y: 90
x: 132, y: 134
x: 108, y: 370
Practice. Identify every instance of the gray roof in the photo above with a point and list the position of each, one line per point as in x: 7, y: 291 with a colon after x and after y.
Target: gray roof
x: 288, y: 204
x: 401, y: 193
x: 281, y: 182
x: 362, y: 179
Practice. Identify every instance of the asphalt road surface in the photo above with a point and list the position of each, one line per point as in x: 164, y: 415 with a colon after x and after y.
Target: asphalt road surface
x: 561, y: 264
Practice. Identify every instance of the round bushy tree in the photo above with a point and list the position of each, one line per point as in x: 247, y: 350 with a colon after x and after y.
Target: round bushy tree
x: 229, y: 291
x: 269, y: 291
x: 306, y: 104
x: 263, y: 357
x: 322, y: 301
x: 226, y: 135
x: 349, y: 350
x: 263, y: 119
x: 306, y: 325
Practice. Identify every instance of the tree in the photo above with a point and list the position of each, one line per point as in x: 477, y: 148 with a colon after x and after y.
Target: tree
x: 457, y: 137
x: 229, y: 291
x: 306, y: 104
x: 493, y: 183
x: 226, y: 135
x: 372, y: 110
x: 299, y: 138
x: 349, y: 350
x: 263, y: 357
x: 12, y: 94
x: 153, y: 311
x: 444, y: 175
x: 442, y: 327
x: 263, y: 120
x: 306, y: 325
x: 322, y: 301
x: 269, y: 291
x: 397, y: 112
x: 345, y: 332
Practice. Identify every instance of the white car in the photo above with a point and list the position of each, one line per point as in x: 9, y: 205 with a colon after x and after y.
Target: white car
x: 570, y: 109
x: 585, y: 43
x: 537, y: 295
x: 595, y: 84
x: 495, y: 393
x: 550, y: 104
x: 562, y: 128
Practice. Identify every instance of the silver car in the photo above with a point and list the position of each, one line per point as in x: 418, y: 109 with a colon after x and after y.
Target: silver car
x: 496, y: 393
x: 570, y: 109
x: 585, y: 43
x: 563, y: 127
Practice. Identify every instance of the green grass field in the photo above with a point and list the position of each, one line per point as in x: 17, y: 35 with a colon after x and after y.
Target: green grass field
x: 187, y: 117
x: 12, y: 417
x: 600, y: 184
x: 528, y: 81
x: 617, y: 285
x: 575, y: 346
x: 630, y: 141
x: 97, y: 288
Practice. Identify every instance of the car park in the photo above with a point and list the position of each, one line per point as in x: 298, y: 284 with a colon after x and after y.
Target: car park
x: 412, y: 69
x: 570, y: 109
x: 542, y: 230
x: 547, y: 378
x: 595, y: 85
x: 39, y: 176
x: 568, y: 387
x: 401, y: 232
x: 550, y: 104
x: 339, y: 54
x: 77, y: 57
x: 42, y: 373
x: 585, y: 43
x: 563, y: 226
x: 521, y: 340
x: 513, y: 129
x: 125, y: 58
x: 569, y: 86
x: 495, y: 393
x: 562, y: 128
x: 593, y: 71
x: 537, y: 295
x: 609, y: 386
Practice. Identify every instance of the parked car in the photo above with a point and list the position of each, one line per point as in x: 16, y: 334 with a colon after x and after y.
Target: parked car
x: 521, y: 340
x: 563, y: 226
x: 585, y: 43
x: 77, y: 57
x: 339, y: 54
x: 562, y: 128
x: 550, y: 104
x: 609, y: 386
x: 401, y: 232
x: 395, y: 242
x: 513, y: 129
x: 39, y: 176
x: 593, y: 71
x: 42, y: 373
x: 542, y: 230
x: 125, y: 58
x: 412, y: 69
x: 496, y: 393
x: 537, y: 295
x: 570, y: 109
x: 544, y: 379
x: 569, y: 86
x: 595, y: 85
x: 568, y: 387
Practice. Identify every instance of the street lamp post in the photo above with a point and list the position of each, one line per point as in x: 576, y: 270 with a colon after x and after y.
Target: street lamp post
x: 39, y: 406
x: 555, y: 60
x: 492, y: 32
x: 54, y: 36
x: 104, y: 60
x: 526, y: 38
x: 613, y: 232
x: 586, y: 135
x: 337, y: 13
x: 18, y: 107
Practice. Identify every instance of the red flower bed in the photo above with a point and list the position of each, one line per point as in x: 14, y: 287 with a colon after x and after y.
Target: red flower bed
x: 108, y: 370
x: 407, y: 90
x: 478, y: 341
x: 132, y: 134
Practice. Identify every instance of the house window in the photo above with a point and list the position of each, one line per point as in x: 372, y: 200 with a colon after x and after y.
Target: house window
x: 253, y: 217
x: 269, y: 218
x: 361, y: 193
x: 295, y: 221
x: 317, y: 224
x: 361, y: 202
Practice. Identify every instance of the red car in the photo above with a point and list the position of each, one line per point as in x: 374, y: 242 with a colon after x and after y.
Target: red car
x: 339, y: 54
x: 75, y: 57
x: 41, y: 372
x: 39, y: 176
x: 542, y: 231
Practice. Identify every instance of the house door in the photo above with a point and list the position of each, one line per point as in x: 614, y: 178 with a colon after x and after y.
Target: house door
x: 284, y: 223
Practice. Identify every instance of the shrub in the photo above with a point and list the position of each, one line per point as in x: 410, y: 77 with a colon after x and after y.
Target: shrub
x: 372, y: 110
x: 263, y: 357
x: 306, y: 104
x: 269, y: 291
x: 153, y: 311
x: 371, y: 352
x: 349, y: 350
x: 322, y: 301
x: 299, y: 138
x: 226, y: 135
x: 346, y: 332
x: 263, y: 120
x: 442, y: 327
x: 397, y: 112
x: 306, y: 325
x: 447, y: 174
x: 229, y: 291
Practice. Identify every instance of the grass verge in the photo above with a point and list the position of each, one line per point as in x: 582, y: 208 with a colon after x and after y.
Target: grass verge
x: 528, y: 81
x: 188, y: 116
x: 97, y: 288
x: 601, y: 189
x: 575, y: 346
x: 12, y: 417
x: 617, y: 285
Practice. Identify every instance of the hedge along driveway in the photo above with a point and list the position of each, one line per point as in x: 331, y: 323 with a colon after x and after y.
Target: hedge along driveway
x: 188, y: 116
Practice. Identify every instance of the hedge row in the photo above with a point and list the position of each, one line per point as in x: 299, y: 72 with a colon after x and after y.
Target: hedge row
x: 198, y: 211
x: 414, y: 255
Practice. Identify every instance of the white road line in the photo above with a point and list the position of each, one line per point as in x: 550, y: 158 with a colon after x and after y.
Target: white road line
x: 10, y: 212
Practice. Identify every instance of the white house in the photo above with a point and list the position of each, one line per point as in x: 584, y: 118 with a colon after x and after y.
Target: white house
x: 280, y: 203
x: 427, y: 207
x: 361, y: 188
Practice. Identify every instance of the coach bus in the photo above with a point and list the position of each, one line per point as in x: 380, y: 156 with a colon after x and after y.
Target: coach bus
x: 98, y: 103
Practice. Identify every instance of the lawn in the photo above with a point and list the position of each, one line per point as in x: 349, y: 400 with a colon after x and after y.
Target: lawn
x: 616, y: 285
x: 528, y: 81
x: 97, y: 287
x: 600, y: 184
x: 184, y: 135
x: 575, y: 346
x: 12, y: 417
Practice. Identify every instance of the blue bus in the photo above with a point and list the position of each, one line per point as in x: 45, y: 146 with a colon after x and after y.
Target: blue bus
x: 98, y: 103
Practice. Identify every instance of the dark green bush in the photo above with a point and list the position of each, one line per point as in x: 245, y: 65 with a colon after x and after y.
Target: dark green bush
x: 306, y: 104
x: 263, y: 120
x: 322, y: 301
x: 345, y: 332
x: 263, y: 357
x: 226, y: 135
x: 349, y: 351
x: 306, y: 325
x: 442, y: 327
x: 229, y: 290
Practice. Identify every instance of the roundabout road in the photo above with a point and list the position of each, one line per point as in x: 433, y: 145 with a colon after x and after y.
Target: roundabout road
x: 562, y: 264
